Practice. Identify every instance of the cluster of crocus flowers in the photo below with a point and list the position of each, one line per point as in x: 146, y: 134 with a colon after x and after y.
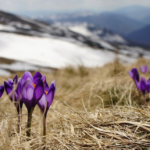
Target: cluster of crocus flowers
x: 141, y: 83
x: 30, y: 90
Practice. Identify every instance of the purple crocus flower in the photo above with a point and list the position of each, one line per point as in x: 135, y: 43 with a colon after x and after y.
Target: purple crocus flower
x: 144, y: 69
x: 143, y: 85
x: 32, y: 91
x: 134, y: 74
x: 148, y: 85
x: 46, y: 100
x: 1, y: 90
x: 12, y: 88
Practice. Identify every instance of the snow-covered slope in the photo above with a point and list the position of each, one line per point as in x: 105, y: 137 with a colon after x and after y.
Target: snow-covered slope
x: 91, y: 30
x: 83, y: 33
x: 60, y: 45
x: 26, y: 26
x: 54, y: 53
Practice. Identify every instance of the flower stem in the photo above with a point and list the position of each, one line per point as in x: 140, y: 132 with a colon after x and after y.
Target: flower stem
x: 44, y: 131
x: 19, y: 120
x: 44, y: 126
x: 29, y: 122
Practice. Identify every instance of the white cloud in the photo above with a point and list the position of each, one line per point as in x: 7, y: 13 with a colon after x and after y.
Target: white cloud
x: 59, y: 5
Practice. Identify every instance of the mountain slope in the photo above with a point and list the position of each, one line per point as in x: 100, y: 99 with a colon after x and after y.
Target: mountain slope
x: 58, y: 46
x: 141, y: 36
x: 26, y: 26
x: 111, y: 21
x: 119, y: 23
x: 134, y: 12
x: 100, y: 38
x: 146, y: 19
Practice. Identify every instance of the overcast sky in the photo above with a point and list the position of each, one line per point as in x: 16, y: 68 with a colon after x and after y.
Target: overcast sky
x: 22, y: 6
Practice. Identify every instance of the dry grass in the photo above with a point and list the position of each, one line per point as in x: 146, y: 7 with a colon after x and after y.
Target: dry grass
x: 96, y: 108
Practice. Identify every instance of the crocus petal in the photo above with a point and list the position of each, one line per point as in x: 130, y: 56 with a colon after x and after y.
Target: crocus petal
x: 1, y: 90
x: 8, y: 87
x: 26, y: 90
x: 134, y: 74
x: 46, y: 87
x: 148, y: 85
x: 51, y: 93
x: 9, y: 90
x: 143, y: 85
x: 15, y: 80
x: 144, y: 69
x: 38, y: 91
x: 43, y: 102
x: 148, y: 80
x: 36, y: 77
x: 10, y: 82
x: 27, y: 75
x: 27, y: 94
x: 19, y: 88
x: 43, y: 78
x: 137, y: 84
x: 130, y: 74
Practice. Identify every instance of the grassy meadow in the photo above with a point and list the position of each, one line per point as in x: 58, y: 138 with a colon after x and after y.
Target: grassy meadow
x: 97, y: 108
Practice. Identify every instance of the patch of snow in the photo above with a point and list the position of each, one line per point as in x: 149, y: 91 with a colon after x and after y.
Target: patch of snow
x: 22, y: 66
x: 50, y: 52
x: 18, y: 66
x: 20, y: 25
x: 114, y: 38
x: 125, y: 59
x: 81, y: 30
x: 106, y: 45
x: 7, y: 28
x: 4, y: 73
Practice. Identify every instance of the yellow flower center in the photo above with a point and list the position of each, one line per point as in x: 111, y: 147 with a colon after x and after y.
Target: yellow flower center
x: 46, y: 92
x: 33, y: 85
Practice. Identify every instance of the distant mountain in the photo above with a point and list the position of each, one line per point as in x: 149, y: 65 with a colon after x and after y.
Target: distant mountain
x: 141, y: 36
x: 114, y: 22
x: 119, y: 23
x: 99, y: 38
x: 81, y: 34
x: 134, y: 12
x: 146, y: 19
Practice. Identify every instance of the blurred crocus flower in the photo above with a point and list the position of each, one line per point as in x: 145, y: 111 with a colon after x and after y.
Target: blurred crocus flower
x: 148, y: 85
x: 140, y: 83
x: 46, y: 100
x: 135, y: 76
x: 32, y: 91
x: 13, y: 89
x: 1, y: 90
x: 143, y: 85
x: 144, y: 69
